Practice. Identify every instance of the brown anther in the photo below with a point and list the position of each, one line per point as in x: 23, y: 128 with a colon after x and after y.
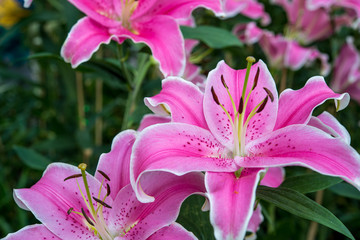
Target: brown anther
x: 70, y: 210
x: 241, y: 106
x: 86, y: 217
x: 102, y: 203
x: 104, y: 175
x: 216, y: 99
x: 223, y: 82
x: 108, y: 190
x: 269, y: 93
x: 256, y: 78
x: 73, y: 176
x: 262, y: 106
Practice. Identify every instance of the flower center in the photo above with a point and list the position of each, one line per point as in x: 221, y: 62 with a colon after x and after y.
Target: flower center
x: 240, y: 122
x: 127, y: 9
x: 94, y: 221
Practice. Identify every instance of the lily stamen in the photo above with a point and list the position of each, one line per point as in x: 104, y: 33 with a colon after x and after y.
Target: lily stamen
x: 86, y: 217
x: 104, y: 175
x: 95, y: 221
x: 102, y: 202
x: 73, y: 176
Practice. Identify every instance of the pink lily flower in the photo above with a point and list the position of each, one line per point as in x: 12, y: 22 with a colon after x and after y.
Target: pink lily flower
x: 72, y: 204
x: 280, y: 51
x: 233, y: 132
x: 305, y: 25
x: 163, y: 103
x: 151, y: 22
x: 250, y: 8
x: 346, y: 75
x: 352, y: 5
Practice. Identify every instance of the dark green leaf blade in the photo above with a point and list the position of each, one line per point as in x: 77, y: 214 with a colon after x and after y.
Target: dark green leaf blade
x: 214, y: 37
x: 346, y: 190
x: 302, y: 206
x: 31, y: 158
x: 312, y: 182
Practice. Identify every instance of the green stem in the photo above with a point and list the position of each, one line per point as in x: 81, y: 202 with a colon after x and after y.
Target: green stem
x: 313, y: 229
x: 123, y: 57
x: 143, y: 67
x: 80, y: 100
x: 283, y: 79
x: 98, y: 110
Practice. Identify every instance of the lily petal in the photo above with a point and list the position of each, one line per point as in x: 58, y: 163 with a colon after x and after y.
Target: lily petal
x: 182, y: 99
x: 116, y: 163
x: 351, y: 4
x: 255, y: 220
x: 177, y: 148
x: 180, y: 9
x: 157, y: 32
x: 175, y: 232
x: 84, y: 38
x: 32, y: 232
x: 296, y: 55
x: 231, y: 202
x: 274, y: 177
x: 296, y: 106
x: 255, y: 10
x: 302, y: 145
x: 151, y: 119
x: 329, y: 124
x: 51, y: 197
x: 218, y: 123
x: 346, y: 66
x: 143, y: 219
x: 103, y: 12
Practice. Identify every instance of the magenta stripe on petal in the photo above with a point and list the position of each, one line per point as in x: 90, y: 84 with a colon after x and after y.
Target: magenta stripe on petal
x: 178, y: 148
x: 302, y: 145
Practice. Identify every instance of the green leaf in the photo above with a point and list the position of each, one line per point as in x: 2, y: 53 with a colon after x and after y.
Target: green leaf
x: 310, y: 182
x: 214, y: 37
x: 346, y: 190
x: 31, y: 158
x: 190, y: 213
x: 302, y: 206
x: 45, y: 55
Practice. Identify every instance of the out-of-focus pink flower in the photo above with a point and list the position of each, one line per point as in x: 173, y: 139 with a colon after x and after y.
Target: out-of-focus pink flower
x: 249, y: 8
x: 353, y: 5
x: 153, y: 22
x: 72, y: 204
x: 305, y: 25
x: 350, y: 15
x: 346, y: 75
x: 233, y: 131
x: 281, y: 52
